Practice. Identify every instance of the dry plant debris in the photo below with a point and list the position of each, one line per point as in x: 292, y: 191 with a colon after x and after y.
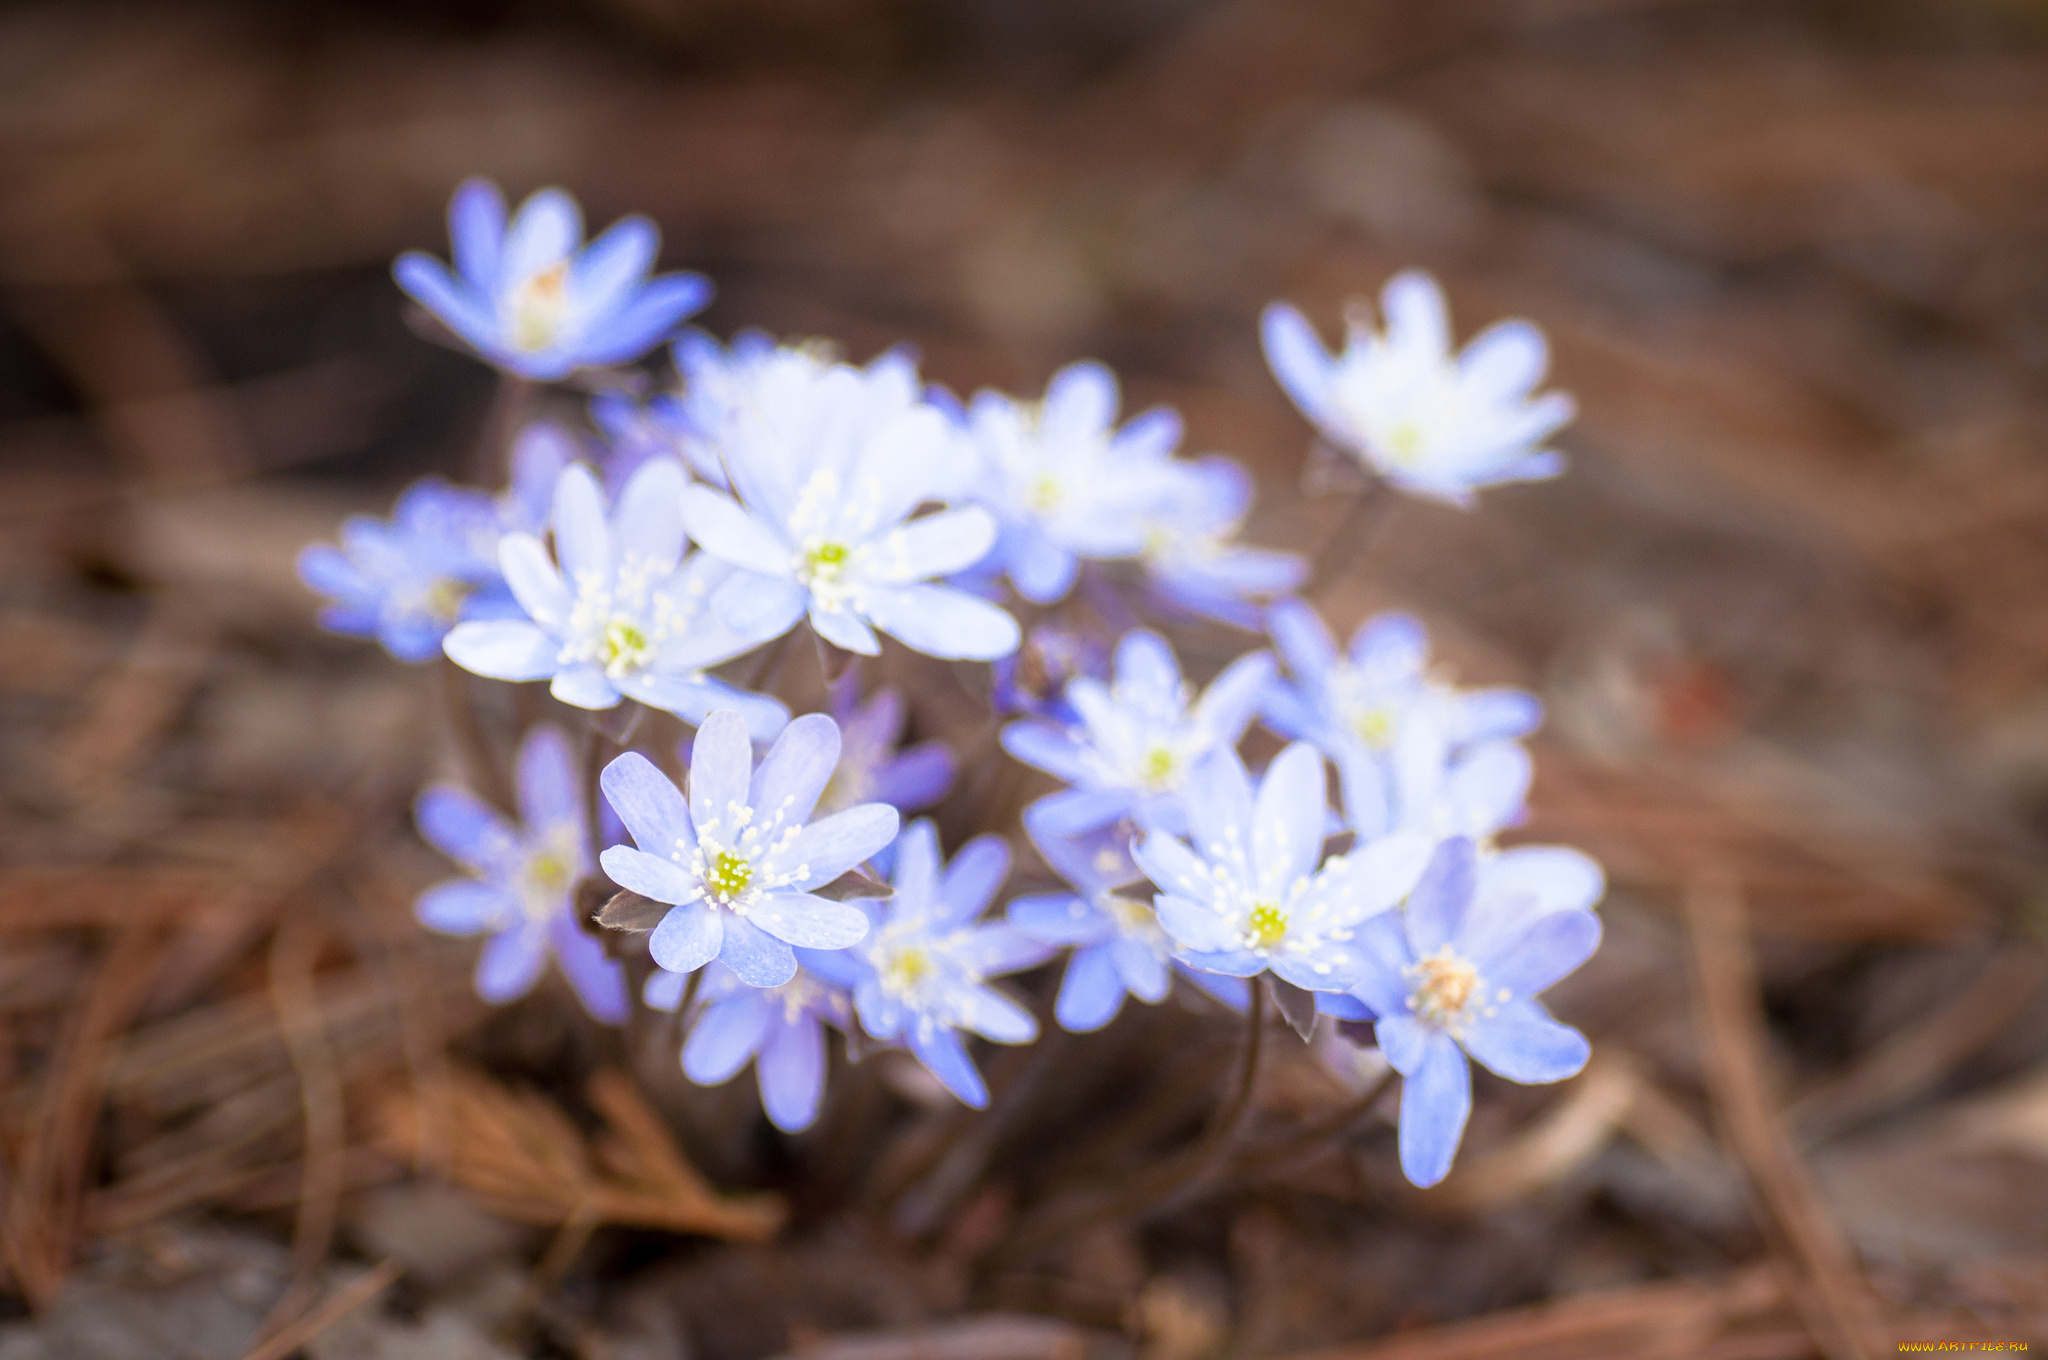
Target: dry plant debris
x: 1792, y: 629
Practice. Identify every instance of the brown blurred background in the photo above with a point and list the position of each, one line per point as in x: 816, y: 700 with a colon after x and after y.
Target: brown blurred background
x: 1789, y: 611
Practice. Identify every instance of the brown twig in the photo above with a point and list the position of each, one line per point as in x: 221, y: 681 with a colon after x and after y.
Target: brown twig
x: 295, y: 1336
x: 1840, y: 1313
x: 294, y: 954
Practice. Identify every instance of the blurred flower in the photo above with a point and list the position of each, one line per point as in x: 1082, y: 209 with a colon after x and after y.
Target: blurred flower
x: 1190, y: 553
x: 1434, y: 424
x: 828, y: 463
x: 1415, y: 752
x: 1063, y: 483
x: 523, y: 890
x: 871, y: 769
x: 1423, y: 788
x: 532, y: 299
x: 1138, y: 741
x: 625, y: 615
x: 922, y: 972
x: 541, y: 452
x: 1119, y: 949
x: 1249, y: 896
x: 1455, y: 973
x: 1033, y: 679
x: 408, y: 582
x: 738, y: 859
x: 782, y: 1029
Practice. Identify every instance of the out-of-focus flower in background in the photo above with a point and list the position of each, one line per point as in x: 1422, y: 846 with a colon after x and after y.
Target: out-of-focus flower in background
x: 781, y: 1029
x: 1119, y: 948
x: 530, y: 297
x: 1191, y: 554
x: 871, y: 768
x: 1064, y: 483
x: 522, y: 892
x: 1138, y: 740
x: 1432, y: 422
x: 921, y: 976
x: 409, y: 581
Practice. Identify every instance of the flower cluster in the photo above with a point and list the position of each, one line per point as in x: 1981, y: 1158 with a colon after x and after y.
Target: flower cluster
x: 652, y: 560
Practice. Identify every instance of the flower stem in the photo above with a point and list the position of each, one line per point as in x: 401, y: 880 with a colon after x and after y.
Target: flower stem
x: 485, y: 774
x: 1368, y: 513
x: 1176, y: 1180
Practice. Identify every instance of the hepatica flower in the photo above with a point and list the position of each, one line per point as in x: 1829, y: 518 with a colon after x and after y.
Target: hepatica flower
x: 780, y: 1029
x: 871, y: 769
x: 1138, y: 740
x: 1252, y: 893
x: 624, y: 615
x: 921, y: 976
x: 1456, y: 973
x: 532, y: 299
x: 1065, y: 483
x: 739, y: 859
x: 1191, y: 552
x: 1398, y: 400
x: 828, y: 463
x: 409, y: 581
x: 1118, y: 946
x: 523, y: 886
x: 1362, y: 700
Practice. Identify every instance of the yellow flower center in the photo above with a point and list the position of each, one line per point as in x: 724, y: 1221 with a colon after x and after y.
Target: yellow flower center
x: 1374, y: 726
x: 1446, y: 989
x: 626, y: 647
x: 1266, y: 926
x: 730, y: 875
x: 906, y: 969
x: 1161, y: 765
x: 538, y: 307
x: 1045, y: 494
x: 443, y: 599
x: 1404, y: 442
x: 1134, y: 918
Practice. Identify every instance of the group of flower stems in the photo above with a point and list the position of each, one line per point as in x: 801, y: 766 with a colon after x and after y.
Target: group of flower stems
x: 664, y: 549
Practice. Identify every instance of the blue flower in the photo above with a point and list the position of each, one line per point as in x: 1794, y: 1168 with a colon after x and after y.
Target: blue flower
x: 408, y: 582
x: 532, y: 299
x: 1399, y: 401
x: 781, y: 1029
x: 688, y: 423
x: 1253, y: 893
x: 739, y: 858
x: 1424, y: 788
x: 1391, y: 727
x: 1119, y: 948
x: 1454, y: 973
x: 922, y: 973
x: 1190, y: 550
x: 828, y: 463
x: 1063, y: 482
x: 1139, y: 740
x: 523, y: 890
x: 625, y: 615
x: 541, y: 452
x: 871, y: 769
